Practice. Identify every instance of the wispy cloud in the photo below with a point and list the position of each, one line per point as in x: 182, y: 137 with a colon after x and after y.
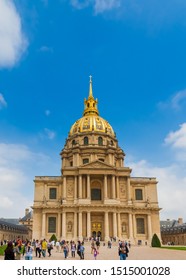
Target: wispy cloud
x: 13, y: 41
x: 78, y: 4
x: 49, y: 133
x: 99, y: 6
x: 177, y: 139
x: 47, y: 112
x: 2, y: 101
x: 175, y: 102
x: 46, y: 49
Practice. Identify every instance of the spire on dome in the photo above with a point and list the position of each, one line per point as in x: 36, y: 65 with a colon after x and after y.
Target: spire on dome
x: 90, y: 103
x: 90, y: 87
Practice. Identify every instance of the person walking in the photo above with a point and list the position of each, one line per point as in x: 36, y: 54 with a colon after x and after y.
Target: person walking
x: 123, y: 251
x: 9, y: 252
x: 44, y: 247
x: 95, y: 252
x: 17, y: 249
x: 82, y: 251
x: 28, y: 251
x: 38, y: 248
x: 49, y: 247
x: 73, y: 249
x: 65, y: 250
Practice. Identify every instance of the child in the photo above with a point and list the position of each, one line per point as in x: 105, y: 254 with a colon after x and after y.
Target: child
x: 95, y: 251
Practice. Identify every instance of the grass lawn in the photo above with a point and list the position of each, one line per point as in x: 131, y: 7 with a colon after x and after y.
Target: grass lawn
x: 181, y: 248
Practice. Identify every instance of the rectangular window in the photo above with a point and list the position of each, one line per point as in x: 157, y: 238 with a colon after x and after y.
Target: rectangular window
x: 53, y: 193
x: 138, y: 194
x: 140, y: 225
x: 52, y: 224
x: 95, y: 194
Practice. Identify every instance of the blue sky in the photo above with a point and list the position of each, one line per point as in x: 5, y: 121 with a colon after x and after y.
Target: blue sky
x: 135, y: 51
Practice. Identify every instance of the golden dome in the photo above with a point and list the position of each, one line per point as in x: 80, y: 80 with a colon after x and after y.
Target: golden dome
x: 91, y: 121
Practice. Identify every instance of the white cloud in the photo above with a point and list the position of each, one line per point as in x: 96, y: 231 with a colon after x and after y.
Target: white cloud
x: 177, y: 139
x: 2, y: 101
x: 18, y: 167
x: 171, y: 187
x: 13, y: 42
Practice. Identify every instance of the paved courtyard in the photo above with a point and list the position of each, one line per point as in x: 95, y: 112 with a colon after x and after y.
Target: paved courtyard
x: 136, y: 253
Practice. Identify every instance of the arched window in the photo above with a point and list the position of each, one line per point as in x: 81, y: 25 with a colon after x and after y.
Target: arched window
x: 73, y: 142
x: 100, y: 141
x: 86, y: 140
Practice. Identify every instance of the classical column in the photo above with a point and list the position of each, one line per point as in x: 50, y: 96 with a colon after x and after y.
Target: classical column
x: 88, y: 186
x: 119, y: 226
x: 43, y: 230
x: 88, y: 225
x: 106, y: 227
x: 75, y: 187
x: 114, y: 225
x: 105, y: 187
x: 80, y: 226
x: 64, y: 225
x: 149, y: 225
x: 75, y: 225
x: 134, y: 226
x: 80, y: 186
x: 113, y: 187
x: 130, y: 227
x: 128, y: 190
x: 64, y: 187
x: 59, y: 225
x: 117, y: 187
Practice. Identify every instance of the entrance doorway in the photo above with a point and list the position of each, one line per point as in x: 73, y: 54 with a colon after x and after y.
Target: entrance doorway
x: 96, y: 230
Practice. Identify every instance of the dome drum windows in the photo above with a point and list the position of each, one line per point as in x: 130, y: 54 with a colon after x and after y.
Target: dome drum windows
x: 100, y: 141
x: 85, y: 141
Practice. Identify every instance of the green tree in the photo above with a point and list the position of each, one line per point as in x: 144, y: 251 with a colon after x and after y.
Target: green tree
x: 155, y: 241
x: 53, y: 238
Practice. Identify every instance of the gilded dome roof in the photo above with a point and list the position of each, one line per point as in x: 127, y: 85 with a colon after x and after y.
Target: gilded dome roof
x: 91, y: 121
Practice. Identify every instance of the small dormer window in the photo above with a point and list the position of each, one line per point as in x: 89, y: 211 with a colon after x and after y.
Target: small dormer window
x: 85, y: 160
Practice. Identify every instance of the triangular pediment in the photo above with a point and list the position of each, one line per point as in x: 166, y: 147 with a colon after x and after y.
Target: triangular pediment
x: 97, y: 165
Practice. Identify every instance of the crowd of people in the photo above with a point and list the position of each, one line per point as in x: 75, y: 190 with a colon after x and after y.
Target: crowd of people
x: 19, y: 249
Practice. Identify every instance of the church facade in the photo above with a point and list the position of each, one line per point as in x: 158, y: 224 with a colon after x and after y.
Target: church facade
x: 95, y: 195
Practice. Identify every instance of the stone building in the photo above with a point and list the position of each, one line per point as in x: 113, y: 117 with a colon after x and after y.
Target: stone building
x: 95, y: 194
x: 11, y: 231
x: 173, y: 232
